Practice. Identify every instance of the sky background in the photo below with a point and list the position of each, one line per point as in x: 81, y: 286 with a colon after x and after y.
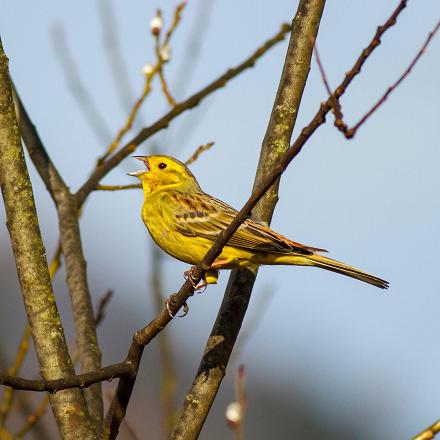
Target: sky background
x: 330, y: 357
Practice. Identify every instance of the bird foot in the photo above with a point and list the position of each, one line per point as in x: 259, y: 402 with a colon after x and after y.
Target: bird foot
x: 172, y: 300
x: 189, y: 276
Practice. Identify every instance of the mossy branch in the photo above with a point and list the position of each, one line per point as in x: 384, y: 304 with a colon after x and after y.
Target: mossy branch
x: 30, y: 256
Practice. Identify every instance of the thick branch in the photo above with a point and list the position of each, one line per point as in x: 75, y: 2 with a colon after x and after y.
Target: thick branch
x: 79, y: 381
x: 90, y: 355
x: 68, y: 406
x: 276, y: 142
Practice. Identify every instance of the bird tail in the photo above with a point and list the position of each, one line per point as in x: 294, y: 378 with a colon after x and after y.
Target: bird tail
x: 322, y: 262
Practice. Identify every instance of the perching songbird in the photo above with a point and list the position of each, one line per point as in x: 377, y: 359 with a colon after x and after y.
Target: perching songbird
x: 185, y: 221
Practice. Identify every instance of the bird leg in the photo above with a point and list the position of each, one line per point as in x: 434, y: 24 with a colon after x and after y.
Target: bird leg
x: 172, y: 299
x: 210, y: 277
x: 189, y: 276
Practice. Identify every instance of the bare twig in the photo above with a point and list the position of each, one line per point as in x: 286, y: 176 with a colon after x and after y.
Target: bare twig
x: 102, y: 305
x: 198, y: 152
x: 55, y: 386
x: 118, y: 187
x: 164, y: 47
x: 347, y: 131
x: 321, y: 68
x: 114, y: 55
x: 184, y: 74
x: 8, y: 395
x: 351, y: 132
x: 429, y: 433
x: 33, y: 418
x: 236, y: 410
x: 77, y: 86
x: 13, y: 371
x: 149, y: 76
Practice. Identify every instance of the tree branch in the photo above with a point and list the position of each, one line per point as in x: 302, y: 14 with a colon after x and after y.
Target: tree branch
x: 90, y: 355
x: 78, y: 88
x: 74, y: 381
x: 69, y: 407
x: 276, y: 142
x: 349, y: 132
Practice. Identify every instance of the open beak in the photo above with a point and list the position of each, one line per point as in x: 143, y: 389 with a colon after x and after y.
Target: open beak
x: 136, y: 173
x: 140, y: 172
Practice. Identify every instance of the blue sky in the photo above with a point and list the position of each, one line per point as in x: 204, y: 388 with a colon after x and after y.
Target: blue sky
x: 371, y: 201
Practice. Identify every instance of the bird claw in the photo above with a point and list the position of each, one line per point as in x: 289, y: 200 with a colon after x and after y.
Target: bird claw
x: 172, y: 299
x: 198, y: 287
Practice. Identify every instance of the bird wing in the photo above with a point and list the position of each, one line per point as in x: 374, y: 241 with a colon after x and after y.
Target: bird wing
x: 201, y: 215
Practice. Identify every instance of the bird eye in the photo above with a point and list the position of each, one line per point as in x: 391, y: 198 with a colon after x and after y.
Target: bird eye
x: 162, y: 165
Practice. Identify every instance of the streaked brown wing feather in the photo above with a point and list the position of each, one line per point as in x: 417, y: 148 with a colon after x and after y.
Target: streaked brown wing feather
x: 205, y: 216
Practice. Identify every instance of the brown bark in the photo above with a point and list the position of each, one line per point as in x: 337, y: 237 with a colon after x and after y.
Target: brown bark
x: 30, y: 255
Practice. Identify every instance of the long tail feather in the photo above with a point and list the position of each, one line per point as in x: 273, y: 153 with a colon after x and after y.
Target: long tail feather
x: 335, y: 266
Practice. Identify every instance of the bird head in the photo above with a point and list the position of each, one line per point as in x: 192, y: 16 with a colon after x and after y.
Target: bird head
x: 165, y: 172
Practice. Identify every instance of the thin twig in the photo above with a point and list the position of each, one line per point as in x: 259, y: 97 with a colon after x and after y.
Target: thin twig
x: 132, y: 115
x: 118, y: 187
x: 236, y: 410
x: 114, y: 55
x: 164, y: 47
x: 347, y: 131
x: 85, y: 380
x: 149, y: 76
x: 77, y: 86
x: 102, y: 305
x: 184, y: 73
x: 198, y: 152
x: 429, y: 433
x: 33, y: 418
x: 390, y: 89
x: 8, y: 394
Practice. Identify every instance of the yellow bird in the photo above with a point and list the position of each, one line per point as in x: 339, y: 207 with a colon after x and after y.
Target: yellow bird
x: 185, y: 221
